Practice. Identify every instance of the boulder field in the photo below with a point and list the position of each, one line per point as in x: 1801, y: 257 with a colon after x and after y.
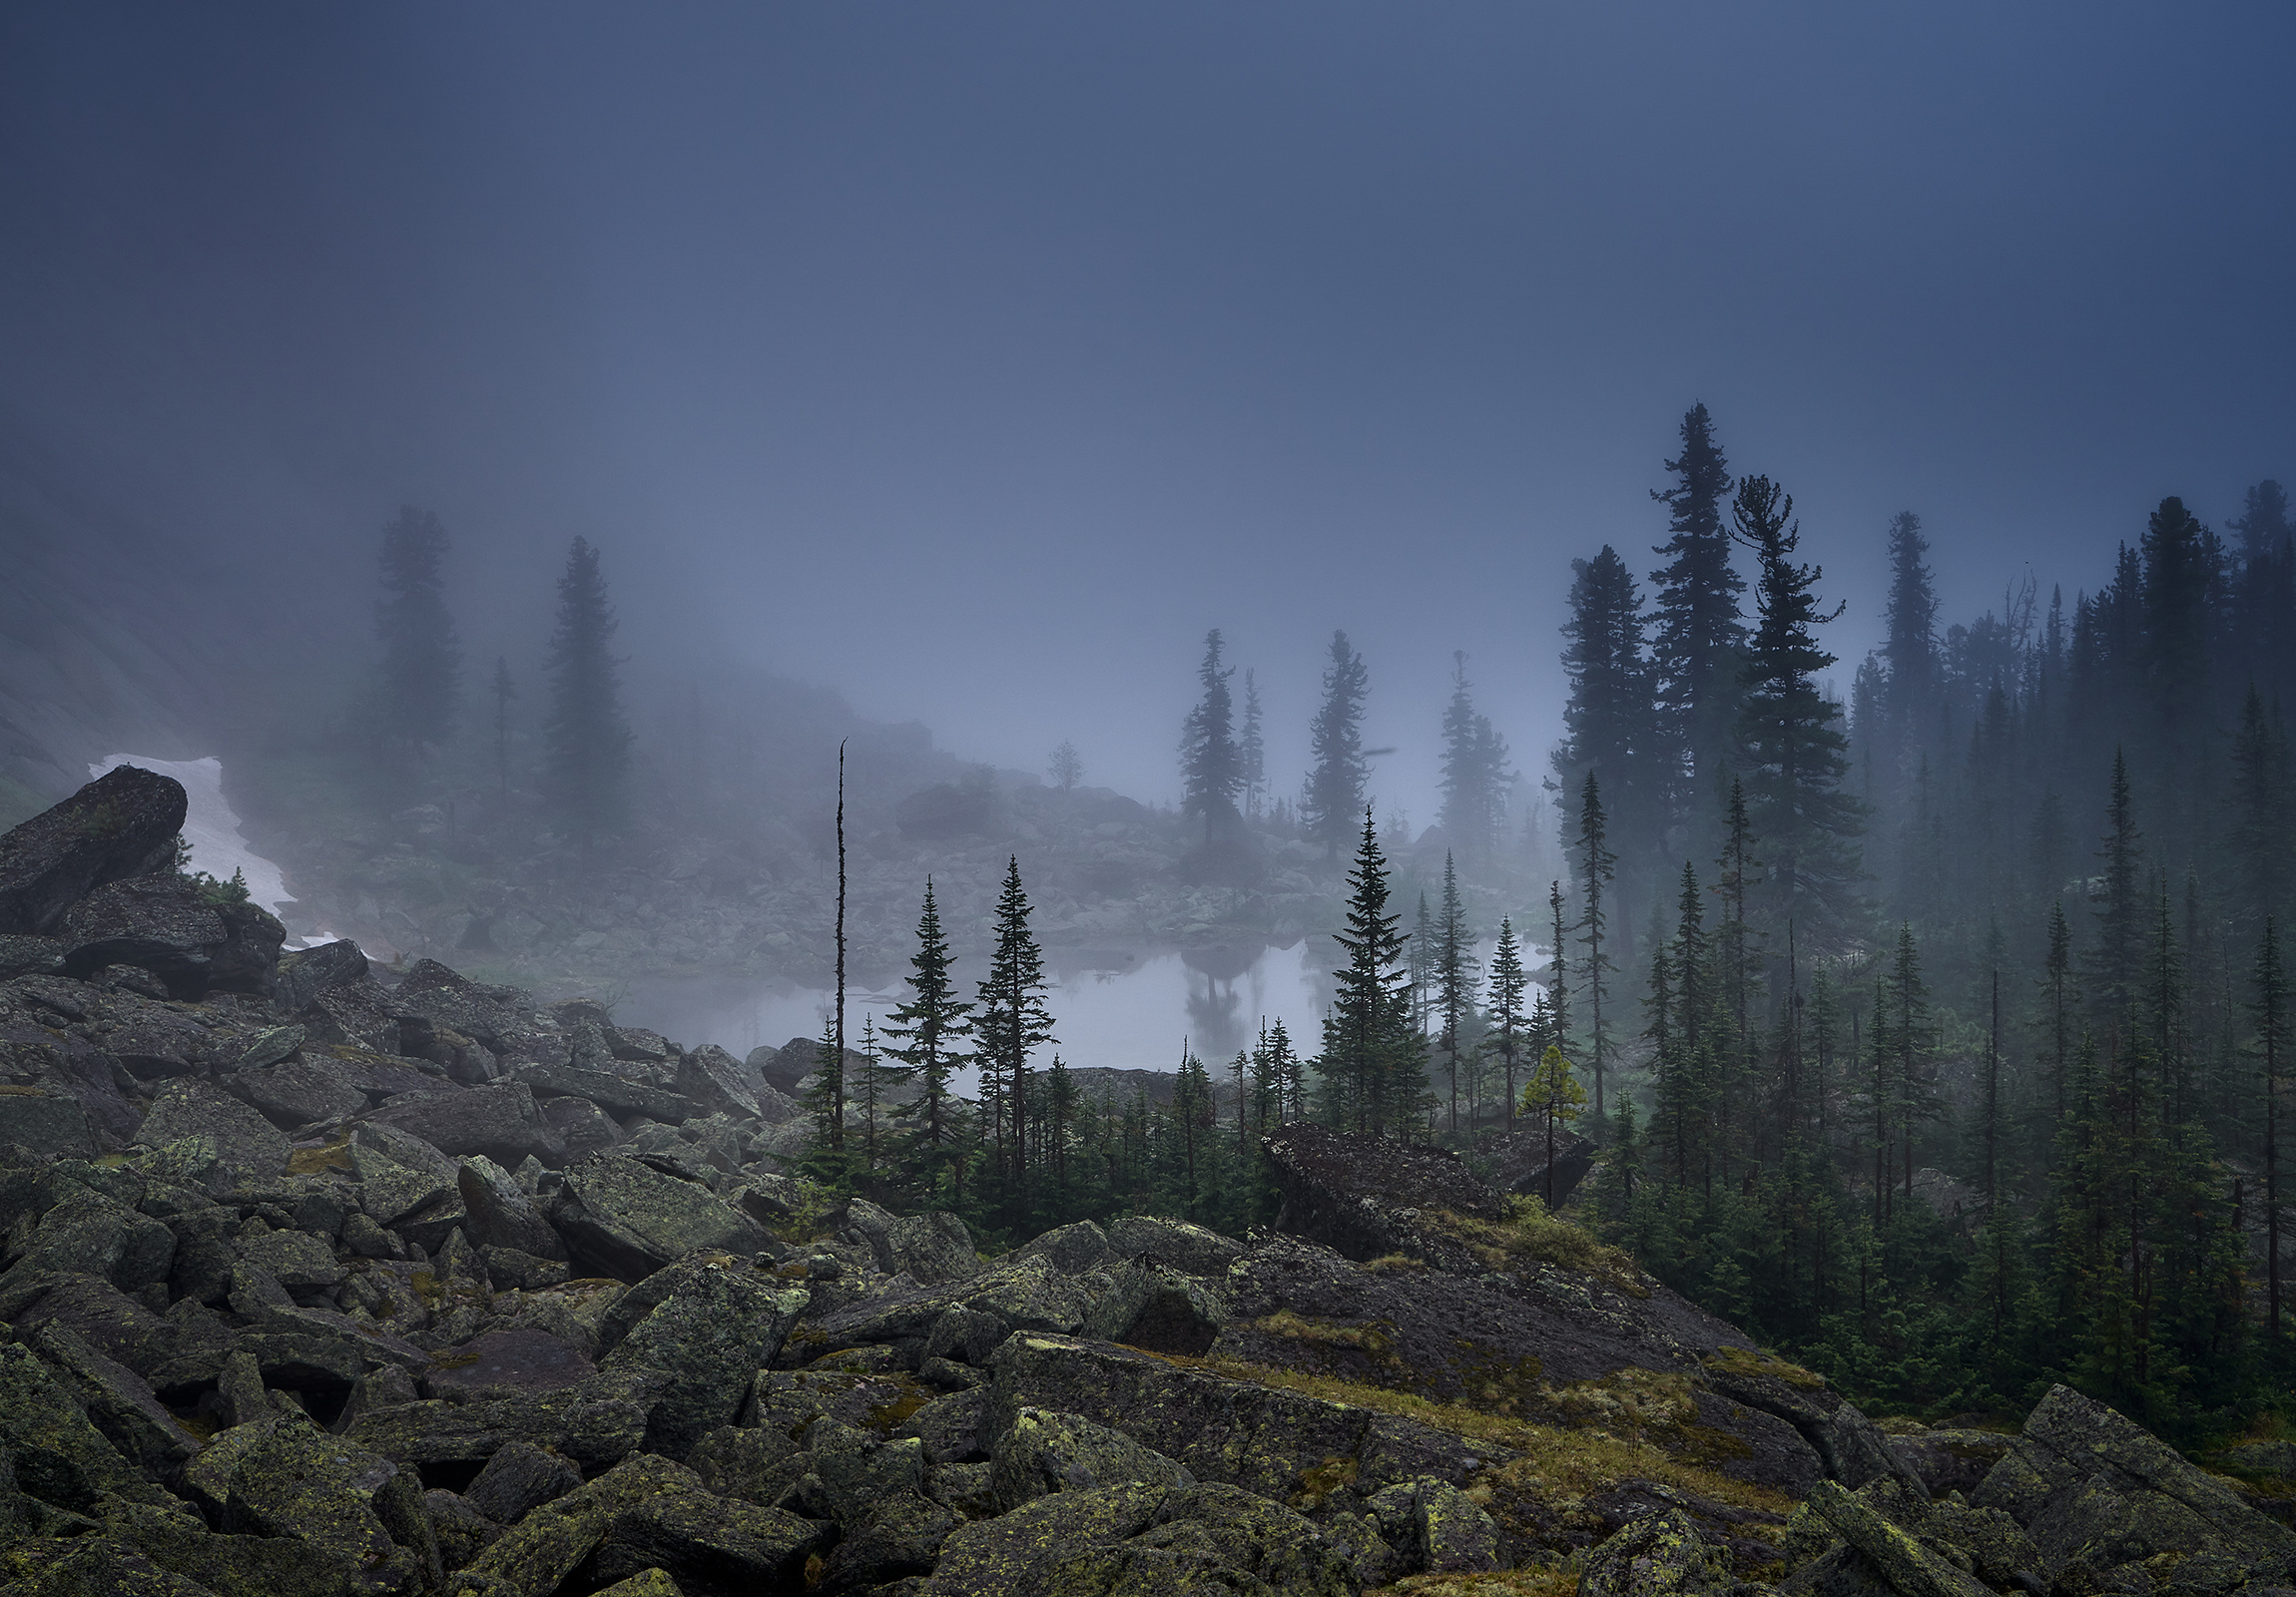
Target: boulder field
x: 327, y: 1279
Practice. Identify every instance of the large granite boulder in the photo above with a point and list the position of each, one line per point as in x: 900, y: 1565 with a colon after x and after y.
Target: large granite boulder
x: 710, y: 1324
x: 500, y: 1121
x: 120, y: 826
x: 626, y: 1218
x: 284, y: 1477
x: 308, y: 972
x: 1364, y: 1196
x: 190, y: 939
x: 244, y: 1142
x: 492, y: 1016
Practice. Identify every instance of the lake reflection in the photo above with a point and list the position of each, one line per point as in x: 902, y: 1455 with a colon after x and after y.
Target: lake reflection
x: 1124, y: 1010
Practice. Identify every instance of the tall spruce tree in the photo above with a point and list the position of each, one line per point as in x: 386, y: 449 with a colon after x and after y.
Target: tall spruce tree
x: 1610, y: 720
x: 586, y: 739
x: 505, y: 689
x: 421, y: 661
x: 1211, y: 764
x: 927, y: 1035
x: 1252, y: 750
x: 2275, y: 1024
x: 1598, y: 865
x: 1455, y: 968
x: 1509, y: 980
x: 1011, y: 1022
x: 1791, y: 735
x: 1699, y: 635
x: 1373, y: 1057
x: 1336, y: 782
x: 2116, y: 962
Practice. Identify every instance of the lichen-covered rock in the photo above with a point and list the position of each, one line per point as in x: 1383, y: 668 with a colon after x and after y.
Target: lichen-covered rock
x: 594, y: 1423
x: 118, y: 1401
x: 754, y: 1464
x: 502, y: 1215
x: 1176, y: 1244
x: 1072, y: 1248
x: 244, y: 1142
x: 90, y: 1233
x: 1436, y: 1527
x: 1045, y: 1450
x: 714, y: 1078
x: 51, y: 1122
x: 1320, y: 1457
x: 288, y: 1479
x: 499, y: 1119
x: 715, y: 1323
x: 2097, y: 1491
x: 122, y: 824
x: 445, y: 997
x: 60, y: 1456
x: 1190, y: 1540
x: 901, y: 1537
x: 1659, y: 1556
x: 626, y: 1218
x: 168, y: 925
x: 296, y: 1092
x: 614, y: 1093
x: 520, y: 1477
x: 1894, y: 1553
x: 506, y: 1363
x: 1020, y: 1293
x: 931, y: 1247
x: 1160, y: 1307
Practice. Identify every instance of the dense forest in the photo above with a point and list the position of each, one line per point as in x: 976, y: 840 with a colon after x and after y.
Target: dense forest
x: 1937, y: 1036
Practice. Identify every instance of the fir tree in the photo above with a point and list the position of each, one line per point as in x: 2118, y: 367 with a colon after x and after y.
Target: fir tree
x: 1555, y: 1096
x: 1699, y: 635
x: 421, y: 662
x: 1508, y: 1024
x: 1791, y: 737
x: 1068, y: 766
x: 1336, y: 785
x: 1913, y: 688
x: 1455, y: 968
x: 1010, y: 1022
x: 1609, y: 721
x: 2270, y: 1012
x: 586, y: 740
x: 931, y: 1027
x: 1211, y: 766
x: 1597, y: 865
x: 2116, y: 962
x: 1371, y: 1053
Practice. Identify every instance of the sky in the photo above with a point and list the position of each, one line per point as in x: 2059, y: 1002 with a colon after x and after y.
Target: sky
x: 976, y: 359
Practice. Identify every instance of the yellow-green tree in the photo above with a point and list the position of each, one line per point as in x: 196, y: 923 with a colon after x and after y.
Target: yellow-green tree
x: 1554, y: 1095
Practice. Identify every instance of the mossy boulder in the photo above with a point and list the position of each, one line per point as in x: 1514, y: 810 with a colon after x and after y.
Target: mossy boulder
x: 1662, y: 1555
x: 244, y: 1142
x: 288, y: 1479
x: 1046, y: 1450
x: 122, y: 824
x: 627, y: 1219
x: 714, y: 1325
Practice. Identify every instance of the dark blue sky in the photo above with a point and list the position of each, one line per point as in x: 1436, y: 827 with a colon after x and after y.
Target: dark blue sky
x: 976, y: 358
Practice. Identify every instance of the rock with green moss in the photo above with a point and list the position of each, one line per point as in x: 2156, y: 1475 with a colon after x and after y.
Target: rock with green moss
x: 658, y: 1516
x: 288, y: 1479
x: 1660, y: 1555
x: 60, y: 1456
x: 1046, y: 1450
x: 519, y: 1479
x: 1178, y: 1244
x: 594, y: 1423
x: 1160, y: 1307
x: 119, y: 1402
x: 1111, y: 1539
x: 645, y: 1583
x: 91, y: 1566
x: 244, y: 1142
x: 713, y: 1324
x: 230, y: 1565
x: 900, y: 1538
x: 1025, y: 1294
x: 88, y: 1233
x: 1072, y: 1248
x: 1436, y: 1527
x: 1317, y: 1455
x: 627, y: 1219
x: 501, y: 1212
x: 122, y: 824
x: 1897, y: 1555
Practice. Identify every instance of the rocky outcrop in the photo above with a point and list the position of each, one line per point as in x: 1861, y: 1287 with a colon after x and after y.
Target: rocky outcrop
x: 121, y: 825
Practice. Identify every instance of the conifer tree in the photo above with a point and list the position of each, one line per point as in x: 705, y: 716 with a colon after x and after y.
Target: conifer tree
x: 1910, y: 1036
x: 1598, y: 865
x: 931, y: 1028
x: 1558, y: 970
x: 1455, y: 968
x: 1211, y: 766
x: 1336, y: 785
x: 586, y: 740
x: 1371, y: 1053
x: 1699, y: 635
x: 421, y: 661
x: 1555, y: 1096
x: 1912, y: 690
x: 1068, y: 766
x: 1610, y: 718
x: 2057, y: 1003
x: 1508, y: 1024
x: 1011, y: 1022
x: 1790, y: 735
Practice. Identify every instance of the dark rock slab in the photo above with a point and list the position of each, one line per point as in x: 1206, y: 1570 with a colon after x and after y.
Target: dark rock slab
x: 626, y: 1218
x: 308, y: 972
x: 119, y: 1402
x: 715, y: 1324
x: 46, y: 1121
x: 594, y: 1423
x: 244, y: 1140
x: 60, y: 1456
x: 506, y: 1364
x: 297, y: 1092
x: 501, y: 1212
x: 1159, y: 1308
x: 500, y: 1121
x: 519, y: 1479
x: 1174, y: 1244
x: 617, y: 1095
x: 169, y: 925
x: 1519, y: 1164
x: 122, y: 824
x: 1046, y: 1450
x: 288, y: 1478
x: 447, y: 998
x: 715, y: 1079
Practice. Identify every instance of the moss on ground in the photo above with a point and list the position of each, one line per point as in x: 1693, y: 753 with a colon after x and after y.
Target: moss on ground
x: 1530, y: 1235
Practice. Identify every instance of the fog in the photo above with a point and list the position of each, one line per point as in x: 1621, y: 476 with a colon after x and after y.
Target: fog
x: 974, y: 360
